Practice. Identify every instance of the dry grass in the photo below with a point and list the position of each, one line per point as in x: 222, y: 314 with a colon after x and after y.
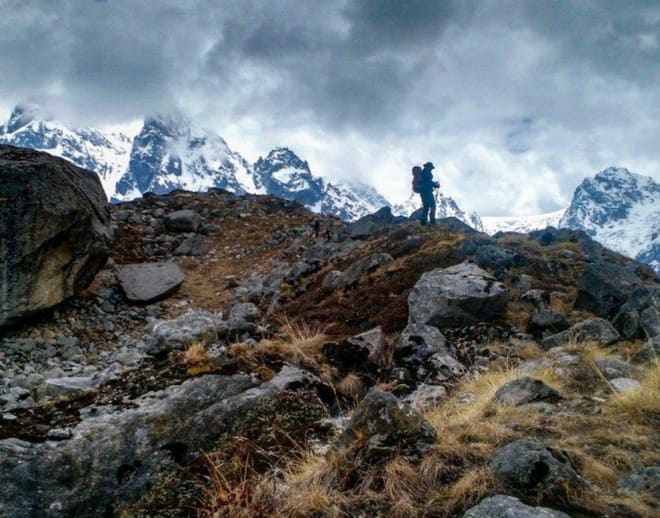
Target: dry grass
x: 351, y: 387
x: 196, y: 359
x: 604, y: 443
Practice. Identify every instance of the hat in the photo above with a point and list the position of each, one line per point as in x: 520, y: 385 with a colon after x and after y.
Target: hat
x: 429, y: 165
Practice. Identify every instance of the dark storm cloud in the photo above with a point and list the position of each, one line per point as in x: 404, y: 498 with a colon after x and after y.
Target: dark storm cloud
x: 509, y: 94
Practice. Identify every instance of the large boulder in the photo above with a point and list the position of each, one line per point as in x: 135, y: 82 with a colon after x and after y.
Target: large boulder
x: 112, y: 459
x: 531, y: 467
x: 457, y: 296
x: 502, y: 506
x: 604, y: 287
x: 387, y: 427
x: 640, y: 315
x: 148, y: 282
x: 55, y: 231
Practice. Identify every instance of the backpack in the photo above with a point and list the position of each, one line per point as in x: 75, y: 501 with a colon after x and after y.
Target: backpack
x: 417, y: 179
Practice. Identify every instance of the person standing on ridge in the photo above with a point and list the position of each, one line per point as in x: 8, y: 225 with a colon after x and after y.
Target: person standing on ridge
x: 425, y: 189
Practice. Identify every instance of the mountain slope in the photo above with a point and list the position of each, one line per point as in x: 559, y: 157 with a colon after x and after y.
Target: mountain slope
x: 621, y: 210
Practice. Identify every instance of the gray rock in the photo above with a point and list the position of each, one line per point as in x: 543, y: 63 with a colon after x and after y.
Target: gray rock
x: 112, y: 458
x: 642, y: 480
x: 426, y: 396
x: 148, y: 282
x: 494, y: 258
x: 183, y: 221
x: 639, y: 316
x: 443, y: 367
x: 532, y: 467
x: 391, y: 426
x: 595, y: 330
x: 71, y: 387
x: 369, y: 225
x: 332, y: 280
x: 502, y: 506
x: 547, y: 320
x: 614, y: 367
x: 358, y: 350
x: 523, y: 282
x: 55, y: 231
x: 649, y: 352
x: 362, y: 267
x: 242, y: 317
x: 624, y: 384
x: 525, y: 390
x: 457, y: 296
x: 192, y: 245
x: 604, y: 287
x: 178, y: 333
x: 649, y: 320
x: 417, y: 343
x: 540, y: 298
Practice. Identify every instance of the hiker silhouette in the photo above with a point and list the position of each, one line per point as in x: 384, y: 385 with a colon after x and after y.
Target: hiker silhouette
x: 425, y: 187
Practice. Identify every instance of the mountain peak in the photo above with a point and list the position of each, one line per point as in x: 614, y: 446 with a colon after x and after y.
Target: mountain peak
x: 23, y: 114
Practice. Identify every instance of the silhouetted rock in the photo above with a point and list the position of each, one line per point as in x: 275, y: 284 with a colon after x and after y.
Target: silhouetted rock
x: 54, y: 231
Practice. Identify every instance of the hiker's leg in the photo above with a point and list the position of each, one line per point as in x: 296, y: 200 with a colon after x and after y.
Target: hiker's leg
x: 432, y: 211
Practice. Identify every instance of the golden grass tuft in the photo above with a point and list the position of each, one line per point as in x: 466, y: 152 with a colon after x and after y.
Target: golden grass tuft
x: 640, y: 405
x: 196, y: 359
x: 351, y: 386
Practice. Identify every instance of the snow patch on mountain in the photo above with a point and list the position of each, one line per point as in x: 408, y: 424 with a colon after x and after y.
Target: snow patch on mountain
x: 522, y: 224
x: 172, y: 153
x: 106, y: 153
x: 621, y: 210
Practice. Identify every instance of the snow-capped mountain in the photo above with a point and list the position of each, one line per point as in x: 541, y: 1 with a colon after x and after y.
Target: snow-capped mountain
x: 106, y: 153
x: 282, y: 173
x: 621, y: 210
x: 522, y: 224
x: 171, y: 153
x: 446, y: 207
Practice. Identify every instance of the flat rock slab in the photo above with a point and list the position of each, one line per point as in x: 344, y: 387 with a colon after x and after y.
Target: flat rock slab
x: 457, y: 296
x: 502, y: 506
x: 148, y: 282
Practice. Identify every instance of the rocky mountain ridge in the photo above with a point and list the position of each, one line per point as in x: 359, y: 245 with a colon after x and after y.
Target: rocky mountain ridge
x: 227, y: 362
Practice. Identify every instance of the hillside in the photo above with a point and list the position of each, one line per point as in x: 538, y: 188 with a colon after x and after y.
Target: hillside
x: 381, y: 369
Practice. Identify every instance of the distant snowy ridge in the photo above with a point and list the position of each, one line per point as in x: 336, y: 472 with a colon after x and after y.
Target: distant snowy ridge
x: 170, y: 152
x: 521, y: 224
x: 446, y: 207
x: 621, y: 210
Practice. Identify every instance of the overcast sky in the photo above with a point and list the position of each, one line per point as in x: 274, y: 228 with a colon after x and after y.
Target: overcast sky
x: 514, y: 101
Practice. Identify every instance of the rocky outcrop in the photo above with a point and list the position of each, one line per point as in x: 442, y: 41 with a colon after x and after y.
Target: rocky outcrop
x: 460, y: 295
x: 110, y: 460
x: 55, y: 231
x: 604, y: 287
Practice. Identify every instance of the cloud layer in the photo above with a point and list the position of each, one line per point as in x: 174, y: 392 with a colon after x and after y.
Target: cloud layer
x: 515, y: 102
